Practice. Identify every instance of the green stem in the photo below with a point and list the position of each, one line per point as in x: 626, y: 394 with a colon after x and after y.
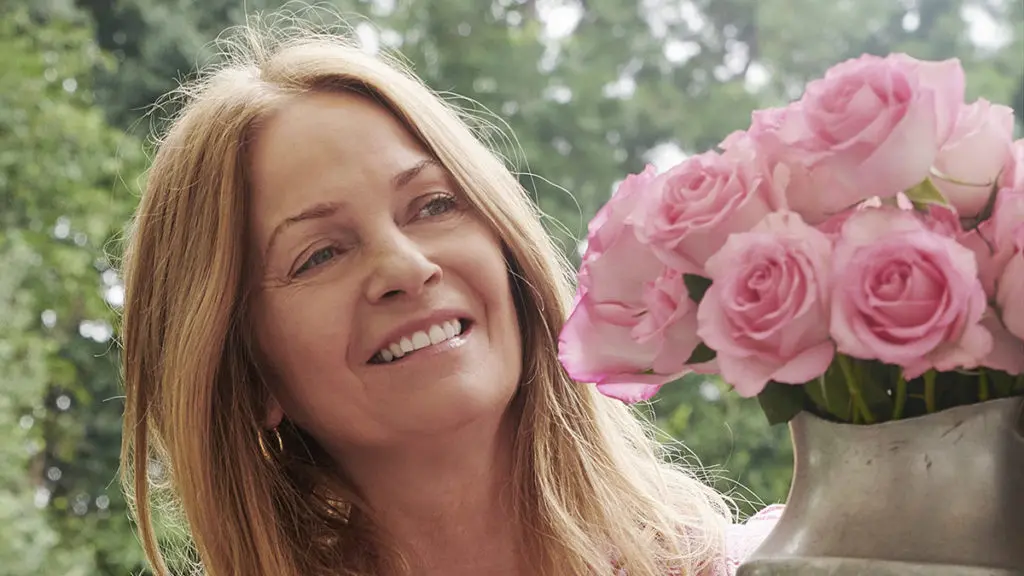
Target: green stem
x: 983, y: 392
x: 854, y: 387
x: 929, y: 391
x: 901, y: 397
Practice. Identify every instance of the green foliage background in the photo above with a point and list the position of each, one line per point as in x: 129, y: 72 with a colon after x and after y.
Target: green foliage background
x: 591, y: 89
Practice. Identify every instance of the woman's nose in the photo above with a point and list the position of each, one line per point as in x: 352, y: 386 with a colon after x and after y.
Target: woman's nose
x: 400, y: 266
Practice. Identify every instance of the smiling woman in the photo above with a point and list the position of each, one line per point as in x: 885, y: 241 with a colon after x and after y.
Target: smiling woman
x: 384, y: 247
x: 340, y: 333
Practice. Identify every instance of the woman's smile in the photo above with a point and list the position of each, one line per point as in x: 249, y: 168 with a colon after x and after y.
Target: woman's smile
x: 433, y: 338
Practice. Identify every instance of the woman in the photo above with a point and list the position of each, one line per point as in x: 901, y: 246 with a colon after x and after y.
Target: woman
x: 340, y: 332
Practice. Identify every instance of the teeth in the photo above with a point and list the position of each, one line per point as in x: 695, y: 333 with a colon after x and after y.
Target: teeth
x: 420, y: 340
x: 434, y: 335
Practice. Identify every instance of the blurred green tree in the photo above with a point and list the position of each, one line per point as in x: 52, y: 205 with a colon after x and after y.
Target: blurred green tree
x: 63, y: 194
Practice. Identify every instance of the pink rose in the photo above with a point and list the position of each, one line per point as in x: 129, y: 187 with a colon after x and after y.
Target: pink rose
x: 1007, y: 222
x: 1010, y: 295
x: 766, y: 313
x: 699, y: 202
x: 765, y: 132
x: 1007, y: 350
x: 974, y: 153
x: 998, y: 246
x: 990, y: 265
x: 1012, y: 176
x: 633, y: 325
x: 993, y: 241
x: 1008, y: 259
x: 946, y: 79
x: 616, y: 217
x: 871, y: 127
x: 906, y: 295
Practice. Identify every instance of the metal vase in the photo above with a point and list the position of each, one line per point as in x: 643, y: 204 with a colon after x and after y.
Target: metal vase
x: 937, y: 495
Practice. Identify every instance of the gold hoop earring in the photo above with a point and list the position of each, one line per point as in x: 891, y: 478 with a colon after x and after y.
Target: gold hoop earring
x: 263, y: 445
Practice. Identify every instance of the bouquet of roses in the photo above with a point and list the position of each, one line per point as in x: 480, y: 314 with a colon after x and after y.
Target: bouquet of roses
x: 858, y: 253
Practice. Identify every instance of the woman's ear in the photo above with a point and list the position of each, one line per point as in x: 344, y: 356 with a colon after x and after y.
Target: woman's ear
x: 274, y: 413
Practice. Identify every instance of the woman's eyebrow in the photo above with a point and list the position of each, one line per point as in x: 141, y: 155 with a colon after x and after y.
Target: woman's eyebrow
x: 315, y: 212
x: 409, y: 174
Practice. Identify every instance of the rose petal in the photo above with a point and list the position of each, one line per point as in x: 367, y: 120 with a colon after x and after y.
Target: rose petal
x: 975, y: 153
x: 1010, y: 295
x: 807, y: 365
x: 1007, y: 350
x: 632, y: 388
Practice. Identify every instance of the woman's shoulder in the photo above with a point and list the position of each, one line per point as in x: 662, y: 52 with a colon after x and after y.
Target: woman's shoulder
x: 742, y: 539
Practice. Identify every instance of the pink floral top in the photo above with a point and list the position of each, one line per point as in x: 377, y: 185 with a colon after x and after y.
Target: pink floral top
x: 742, y: 539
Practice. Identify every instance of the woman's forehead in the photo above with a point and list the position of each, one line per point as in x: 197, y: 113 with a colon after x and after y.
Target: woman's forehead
x: 319, y: 129
x: 328, y: 147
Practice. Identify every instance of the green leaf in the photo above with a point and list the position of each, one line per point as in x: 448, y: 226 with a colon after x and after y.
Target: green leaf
x: 696, y: 286
x: 781, y: 402
x: 926, y: 193
x: 702, y: 353
x: 875, y: 379
x: 831, y: 395
x: 1002, y: 384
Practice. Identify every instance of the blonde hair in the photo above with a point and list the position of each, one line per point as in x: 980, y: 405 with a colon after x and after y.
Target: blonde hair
x: 591, y: 487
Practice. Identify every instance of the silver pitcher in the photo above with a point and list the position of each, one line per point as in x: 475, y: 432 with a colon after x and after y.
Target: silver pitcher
x: 937, y: 495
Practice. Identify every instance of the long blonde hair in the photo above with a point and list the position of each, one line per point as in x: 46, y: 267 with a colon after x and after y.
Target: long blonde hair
x: 591, y: 487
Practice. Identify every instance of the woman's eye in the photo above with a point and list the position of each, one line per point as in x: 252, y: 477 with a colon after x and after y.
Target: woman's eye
x: 438, y: 205
x: 317, y: 258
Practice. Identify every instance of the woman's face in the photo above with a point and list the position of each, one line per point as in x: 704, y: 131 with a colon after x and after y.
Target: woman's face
x: 384, y: 308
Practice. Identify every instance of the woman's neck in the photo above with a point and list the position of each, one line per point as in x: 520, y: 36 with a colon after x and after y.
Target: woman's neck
x: 447, y: 503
